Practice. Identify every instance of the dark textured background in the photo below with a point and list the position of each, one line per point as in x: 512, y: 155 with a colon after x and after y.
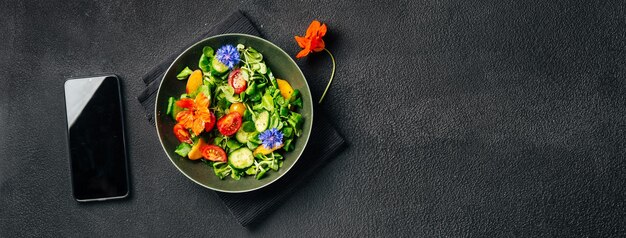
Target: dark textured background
x: 464, y: 118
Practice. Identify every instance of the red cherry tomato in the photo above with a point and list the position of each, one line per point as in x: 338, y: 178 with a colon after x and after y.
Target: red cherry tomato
x: 182, y: 134
x: 208, y: 126
x: 229, y: 124
x: 237, y: 81
x: 185, y: 103
x: 213, y: 153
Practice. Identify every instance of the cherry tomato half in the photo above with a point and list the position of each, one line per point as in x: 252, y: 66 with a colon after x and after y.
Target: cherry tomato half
x: 238, y: 107
x: 229, y: 124
x: 213, y: 153
x: 182, y: 134
x: 237, y: 81
x: 208, y: 126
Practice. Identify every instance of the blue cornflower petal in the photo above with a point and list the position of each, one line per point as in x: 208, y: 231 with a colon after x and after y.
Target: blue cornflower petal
x: 228, y: 55
x: 271, y: 138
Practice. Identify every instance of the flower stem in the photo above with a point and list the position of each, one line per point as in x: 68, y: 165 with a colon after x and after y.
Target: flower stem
x: 332, y: 75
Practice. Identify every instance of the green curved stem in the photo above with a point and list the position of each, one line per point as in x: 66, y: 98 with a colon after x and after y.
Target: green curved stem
x: 332, y: 75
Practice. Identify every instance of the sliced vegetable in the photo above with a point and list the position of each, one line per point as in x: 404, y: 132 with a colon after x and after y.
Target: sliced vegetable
x: 194, y: 81
x: 208, y: 126
x: 213, y: 153
x: 217, y: 67
x: 241, y: 158
x: 182, y: 134
x: 241, y: 135
x: 229, y: 124
x: 285, y: 88
x: 262, y: 121
x: 264, y: 150
x: 175, y: 110
x: 196, y: 153
x: 238, y: 80
x: 170, y: 105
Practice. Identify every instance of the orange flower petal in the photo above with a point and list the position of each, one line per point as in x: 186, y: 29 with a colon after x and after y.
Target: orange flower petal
x: 202, y: 101
x: 322, y: 31
x: 198, y: 126
x: 301, y: 41
x: 185, y: 103
x: 312, y: 30
x: 204, y: 116
x: 189, y: 123
x: 302, y: 53
x: 182, y: 116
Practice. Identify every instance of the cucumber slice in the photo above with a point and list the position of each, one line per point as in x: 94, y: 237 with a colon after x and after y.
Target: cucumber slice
x: 175, y: 110
x: 217, y: 66
x: 262, y: 121
x: 242, y: 136
x: 241, y: 158
x: 170, y: 105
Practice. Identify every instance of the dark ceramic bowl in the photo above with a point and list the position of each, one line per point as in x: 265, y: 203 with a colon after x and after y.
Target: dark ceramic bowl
x: 282, y: 66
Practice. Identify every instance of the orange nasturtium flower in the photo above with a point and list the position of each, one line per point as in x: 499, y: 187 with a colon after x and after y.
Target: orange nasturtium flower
x: 313, y: 42
x: 197, y: 115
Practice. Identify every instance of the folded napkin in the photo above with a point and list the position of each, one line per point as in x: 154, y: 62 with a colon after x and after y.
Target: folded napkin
x: 323, y: 144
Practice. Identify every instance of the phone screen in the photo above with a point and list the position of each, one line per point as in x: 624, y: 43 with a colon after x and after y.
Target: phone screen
x: 96, y: 138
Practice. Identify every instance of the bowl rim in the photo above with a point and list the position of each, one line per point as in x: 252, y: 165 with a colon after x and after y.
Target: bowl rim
x: 306, y: 141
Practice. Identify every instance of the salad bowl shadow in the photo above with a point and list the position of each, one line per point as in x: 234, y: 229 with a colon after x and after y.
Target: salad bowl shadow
x: 282, y: 66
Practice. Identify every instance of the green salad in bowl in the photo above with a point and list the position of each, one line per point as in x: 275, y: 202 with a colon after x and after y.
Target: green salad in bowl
x: 226, y: 116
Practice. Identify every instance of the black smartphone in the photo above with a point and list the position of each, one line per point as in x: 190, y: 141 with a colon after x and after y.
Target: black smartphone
x: 95, y: 130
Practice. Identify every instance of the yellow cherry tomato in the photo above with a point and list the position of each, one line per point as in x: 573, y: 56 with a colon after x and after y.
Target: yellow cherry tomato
x: 238, y: 107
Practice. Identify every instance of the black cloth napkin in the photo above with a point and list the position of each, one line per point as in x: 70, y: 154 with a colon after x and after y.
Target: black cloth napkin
x: 323, y: 144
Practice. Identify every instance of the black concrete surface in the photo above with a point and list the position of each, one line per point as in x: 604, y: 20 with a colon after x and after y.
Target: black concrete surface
x: 464, y: 118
